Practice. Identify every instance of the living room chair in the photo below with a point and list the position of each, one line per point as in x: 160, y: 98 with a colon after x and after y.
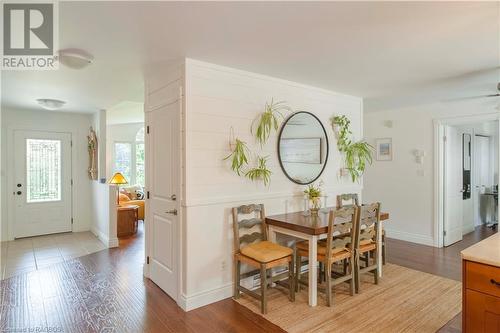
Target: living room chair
x: 366, y: 242
x: 339, y: 246
x: 352, y: 199
x: 252, y: 248
x: 347, y: 199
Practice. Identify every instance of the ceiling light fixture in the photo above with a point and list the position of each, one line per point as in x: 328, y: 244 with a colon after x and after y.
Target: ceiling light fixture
x: 50, y: 104
x: 75, y: 58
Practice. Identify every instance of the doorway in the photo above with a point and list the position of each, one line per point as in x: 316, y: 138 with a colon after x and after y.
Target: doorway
x: 42, y: 196
x: 467, y: 182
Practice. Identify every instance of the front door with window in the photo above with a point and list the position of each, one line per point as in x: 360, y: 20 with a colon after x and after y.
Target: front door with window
x: 42, y: 183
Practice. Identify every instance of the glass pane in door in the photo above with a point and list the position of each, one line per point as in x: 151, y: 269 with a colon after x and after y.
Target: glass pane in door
x: 43, y: 170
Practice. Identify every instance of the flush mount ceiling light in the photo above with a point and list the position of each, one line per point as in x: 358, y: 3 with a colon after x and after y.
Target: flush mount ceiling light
x: 75, y: 58
x: 50, y: 104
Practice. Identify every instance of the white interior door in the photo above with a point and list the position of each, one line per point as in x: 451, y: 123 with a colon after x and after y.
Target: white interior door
x: 163, y: 185
x: 453, y: 186
x: 483, y: 179
x: 42, y: 183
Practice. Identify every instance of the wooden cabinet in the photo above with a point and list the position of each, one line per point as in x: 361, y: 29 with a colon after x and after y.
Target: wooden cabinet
x: 127, y: 220
x: 481, y: 298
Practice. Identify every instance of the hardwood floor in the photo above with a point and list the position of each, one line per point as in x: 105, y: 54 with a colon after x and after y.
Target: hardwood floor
x: 106, y: 292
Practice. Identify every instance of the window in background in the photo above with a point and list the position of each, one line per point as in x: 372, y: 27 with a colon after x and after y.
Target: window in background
x: 43, y: 170
x: 123, y: 160
x: 139, y: 158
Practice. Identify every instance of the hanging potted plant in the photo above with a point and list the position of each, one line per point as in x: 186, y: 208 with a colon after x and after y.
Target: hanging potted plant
x: 268, y: 120
x: 356, y: 154
x: 261, y: 172
x: 238, y: 156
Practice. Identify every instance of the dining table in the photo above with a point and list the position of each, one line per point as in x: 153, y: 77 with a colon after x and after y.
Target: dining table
x: 312, y: 228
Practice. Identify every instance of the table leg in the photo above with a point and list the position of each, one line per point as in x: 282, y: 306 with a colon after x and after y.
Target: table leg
x: 379, y: 241
x: 313, y: 270
x: 271, y: 234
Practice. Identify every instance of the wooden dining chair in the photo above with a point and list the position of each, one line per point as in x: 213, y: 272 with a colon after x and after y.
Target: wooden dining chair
x: 352, y: 199
x: 339, y: 245
x: 366, y: 242
x: 252, y: 248
x: 347, y: 199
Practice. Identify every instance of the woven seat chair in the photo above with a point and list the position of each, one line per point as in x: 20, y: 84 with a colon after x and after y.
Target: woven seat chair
x: 366, y: 242
x: 339, y: 246
x: 352, y: 199
x: 252, y: 248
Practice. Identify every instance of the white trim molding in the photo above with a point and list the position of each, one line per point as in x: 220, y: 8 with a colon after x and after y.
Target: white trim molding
x: 109, y: 242
x: 410, y: 237
x: 191, y: 302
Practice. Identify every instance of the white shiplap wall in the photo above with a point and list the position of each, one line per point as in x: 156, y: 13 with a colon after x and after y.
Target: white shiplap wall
x: 218, y: 98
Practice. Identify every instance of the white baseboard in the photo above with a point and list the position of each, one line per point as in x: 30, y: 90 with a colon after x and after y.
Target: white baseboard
x: 467, y: 228
x: 410, y: 237
x: 109, y: 242
x: 191, y: 302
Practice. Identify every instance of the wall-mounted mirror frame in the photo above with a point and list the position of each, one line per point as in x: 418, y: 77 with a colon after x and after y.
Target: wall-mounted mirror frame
x: 323, y: 156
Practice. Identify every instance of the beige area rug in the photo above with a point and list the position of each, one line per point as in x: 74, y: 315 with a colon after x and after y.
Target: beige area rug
x: 405, y: 300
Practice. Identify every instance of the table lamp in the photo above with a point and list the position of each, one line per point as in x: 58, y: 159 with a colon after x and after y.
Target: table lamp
x: 118, y: 180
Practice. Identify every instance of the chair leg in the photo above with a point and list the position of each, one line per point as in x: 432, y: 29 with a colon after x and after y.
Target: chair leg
x: 376, y: 263
x: 291, y: 280
x: 328, y: 284
x: 263, y: 288
x: 384, y: 253
x: 237, y: 279
x: 353, y: 276
x: 298, y: 261
x: 356, y: 272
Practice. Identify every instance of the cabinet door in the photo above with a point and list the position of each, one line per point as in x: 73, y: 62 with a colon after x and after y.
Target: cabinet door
x: 483, y: 313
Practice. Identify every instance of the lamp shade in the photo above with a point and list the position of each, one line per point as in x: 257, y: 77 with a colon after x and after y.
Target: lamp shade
x: 118, y: 179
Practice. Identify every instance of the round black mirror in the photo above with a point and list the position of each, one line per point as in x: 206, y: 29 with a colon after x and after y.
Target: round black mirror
x: 303, y: 148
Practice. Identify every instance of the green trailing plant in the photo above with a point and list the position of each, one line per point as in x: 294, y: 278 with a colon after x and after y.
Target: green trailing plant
x: 260, y: 172
x: 342, y: 125
x: 268, y: 120
x: 239, y: 156
x: 356, y: 154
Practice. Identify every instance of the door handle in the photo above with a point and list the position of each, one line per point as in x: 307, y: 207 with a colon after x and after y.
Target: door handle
x: 173, y: 197
x: 19, y: 192
x: 173, y: 212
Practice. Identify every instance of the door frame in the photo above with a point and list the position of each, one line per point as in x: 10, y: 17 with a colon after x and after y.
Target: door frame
x: 10, y: 174
x: 180, y: 297
x: 439, y: 164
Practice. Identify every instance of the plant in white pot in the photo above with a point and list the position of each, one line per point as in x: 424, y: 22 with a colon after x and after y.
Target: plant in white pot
x: 356, y: 154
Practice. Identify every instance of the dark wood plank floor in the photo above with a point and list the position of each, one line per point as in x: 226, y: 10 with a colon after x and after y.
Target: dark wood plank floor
x: 106, y: 292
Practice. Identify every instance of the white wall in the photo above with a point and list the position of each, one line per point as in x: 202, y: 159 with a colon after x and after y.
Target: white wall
x: 119, y: 133
x: 405, y: 188
x: 103, y: 196
x: 78, y: 126
x: 218, y: 98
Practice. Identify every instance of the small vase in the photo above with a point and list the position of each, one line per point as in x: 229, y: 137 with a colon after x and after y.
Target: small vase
x: 315, y: 205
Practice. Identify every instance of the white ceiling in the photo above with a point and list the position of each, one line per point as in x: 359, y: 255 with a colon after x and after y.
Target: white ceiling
x: 390, y: 53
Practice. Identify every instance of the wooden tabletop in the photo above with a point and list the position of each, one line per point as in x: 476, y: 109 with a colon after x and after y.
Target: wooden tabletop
x: 312, y: 225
